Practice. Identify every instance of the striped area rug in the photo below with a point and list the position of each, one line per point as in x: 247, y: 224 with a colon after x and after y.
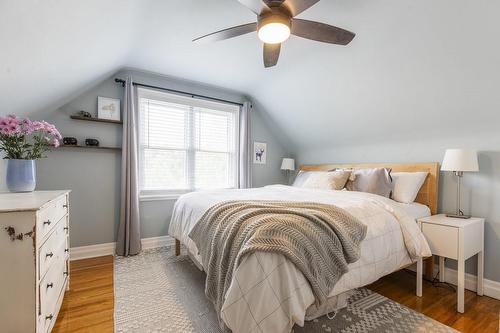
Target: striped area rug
x: 158, y: 292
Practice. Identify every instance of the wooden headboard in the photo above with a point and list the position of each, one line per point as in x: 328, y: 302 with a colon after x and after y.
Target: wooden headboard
x: 428, y: 193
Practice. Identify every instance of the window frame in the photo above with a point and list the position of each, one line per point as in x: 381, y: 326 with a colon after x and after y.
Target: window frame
x: 191, y: 102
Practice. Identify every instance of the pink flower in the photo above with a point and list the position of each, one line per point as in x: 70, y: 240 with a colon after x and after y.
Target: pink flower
x: 27, y: 125
x: 55, y: 142
x: 37, y: 125
x: 10, y: 125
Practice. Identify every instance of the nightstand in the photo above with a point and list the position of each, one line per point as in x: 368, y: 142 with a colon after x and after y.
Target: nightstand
x: 457, y: 239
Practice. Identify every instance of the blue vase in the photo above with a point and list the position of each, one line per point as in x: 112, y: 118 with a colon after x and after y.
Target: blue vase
x: 21, y: 175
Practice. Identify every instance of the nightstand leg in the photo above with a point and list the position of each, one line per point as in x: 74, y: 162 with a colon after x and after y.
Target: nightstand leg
x: 419, y: 277
x: 460, y: 285
x: 441, y: 269
x: 480, y: 272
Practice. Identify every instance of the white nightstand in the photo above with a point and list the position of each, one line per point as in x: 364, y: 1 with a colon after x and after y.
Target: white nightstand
x: 457, y: 239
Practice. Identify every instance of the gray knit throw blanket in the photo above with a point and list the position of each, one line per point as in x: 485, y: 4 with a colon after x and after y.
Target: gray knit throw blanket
x: 321, y: 240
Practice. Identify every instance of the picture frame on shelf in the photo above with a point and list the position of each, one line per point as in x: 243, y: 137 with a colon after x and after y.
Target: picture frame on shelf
x: 108, y: 108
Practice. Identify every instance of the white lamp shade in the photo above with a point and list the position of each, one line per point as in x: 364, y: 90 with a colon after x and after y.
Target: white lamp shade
x: 460, y: 160
x: 288, y: 164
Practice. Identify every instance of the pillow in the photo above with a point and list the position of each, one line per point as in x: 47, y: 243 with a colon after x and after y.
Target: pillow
x: 407, y: 185
x: 326, y: 180
x: 300, y: 178
x: 376, y: 181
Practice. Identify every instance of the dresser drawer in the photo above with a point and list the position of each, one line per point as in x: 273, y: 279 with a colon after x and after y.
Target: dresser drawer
x: 54, y: 247
x: 50, y: 215
x: 443, y: 240
x: 51, y: 287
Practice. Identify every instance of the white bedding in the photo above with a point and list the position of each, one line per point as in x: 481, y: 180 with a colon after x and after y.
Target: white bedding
x: 268, y: 293
x: 414, y: 210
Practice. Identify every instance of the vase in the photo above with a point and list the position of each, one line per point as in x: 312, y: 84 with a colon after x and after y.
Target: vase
x: 21, y: 175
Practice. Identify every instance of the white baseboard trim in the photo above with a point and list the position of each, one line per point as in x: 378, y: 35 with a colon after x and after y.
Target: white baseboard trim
x: 106, y: 249
x: 490, y: 288
x: 154, y: 242
x: 91, y: 251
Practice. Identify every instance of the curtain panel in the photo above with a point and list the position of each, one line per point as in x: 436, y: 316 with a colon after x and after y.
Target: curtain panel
x: 245, y: 153
x: 129, y: 236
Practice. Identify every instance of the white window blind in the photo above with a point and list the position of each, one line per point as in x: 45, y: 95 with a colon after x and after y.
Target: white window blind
x: 186, y: 143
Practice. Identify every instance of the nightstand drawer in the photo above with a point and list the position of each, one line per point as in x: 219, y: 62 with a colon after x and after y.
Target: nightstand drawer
x: 443, y: 240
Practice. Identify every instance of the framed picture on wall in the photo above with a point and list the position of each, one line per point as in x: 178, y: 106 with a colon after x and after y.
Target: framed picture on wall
x: 108, y: 108
x: 259, y: 152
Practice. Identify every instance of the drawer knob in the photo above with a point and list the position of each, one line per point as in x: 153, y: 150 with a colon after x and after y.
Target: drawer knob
x: 49, y: 255
x: 65, y: 273
x: 50, y: 285
x: 66, y: 250
x: 49, y: 317
x: 66, y: 228
x: 47, y: 222
x: 65, y: 206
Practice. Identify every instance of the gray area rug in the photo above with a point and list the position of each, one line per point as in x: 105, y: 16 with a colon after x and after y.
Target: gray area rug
x: 158, y: 292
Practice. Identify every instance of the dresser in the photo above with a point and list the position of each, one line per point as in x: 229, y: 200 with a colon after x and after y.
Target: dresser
x: 34, y: 256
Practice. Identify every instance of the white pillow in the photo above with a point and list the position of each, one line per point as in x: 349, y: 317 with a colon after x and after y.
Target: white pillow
x: 326, y: 180
x: 407, y: 185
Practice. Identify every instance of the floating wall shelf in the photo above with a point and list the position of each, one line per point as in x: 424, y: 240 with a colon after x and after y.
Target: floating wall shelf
x: 97, y: 120
x: 90, y: 147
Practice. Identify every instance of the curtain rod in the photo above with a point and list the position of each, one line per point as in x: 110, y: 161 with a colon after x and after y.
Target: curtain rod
x: 122, y: 82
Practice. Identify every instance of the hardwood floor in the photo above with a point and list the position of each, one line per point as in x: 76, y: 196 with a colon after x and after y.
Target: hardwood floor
x: 440, y: 303
x: 88, y: 305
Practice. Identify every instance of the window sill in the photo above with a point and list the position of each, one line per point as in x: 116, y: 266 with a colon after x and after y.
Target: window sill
x: 159, y: 197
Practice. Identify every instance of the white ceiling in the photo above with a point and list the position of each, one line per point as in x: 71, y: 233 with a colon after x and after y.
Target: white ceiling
x: 413, y: 64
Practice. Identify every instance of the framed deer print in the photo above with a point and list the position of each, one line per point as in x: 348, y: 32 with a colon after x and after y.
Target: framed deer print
x: 259, y: 152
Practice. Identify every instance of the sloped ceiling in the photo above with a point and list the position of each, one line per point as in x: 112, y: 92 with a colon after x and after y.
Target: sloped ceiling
x: 413, y: 64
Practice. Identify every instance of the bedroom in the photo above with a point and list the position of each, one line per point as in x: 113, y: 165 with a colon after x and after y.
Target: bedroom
x: 416, y: 80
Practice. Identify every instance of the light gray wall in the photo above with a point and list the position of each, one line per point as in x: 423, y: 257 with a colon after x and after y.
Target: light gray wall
x: 94, y: 175
x: 481, y: 191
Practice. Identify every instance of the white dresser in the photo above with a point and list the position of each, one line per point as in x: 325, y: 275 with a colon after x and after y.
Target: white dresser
x: 34, y: 256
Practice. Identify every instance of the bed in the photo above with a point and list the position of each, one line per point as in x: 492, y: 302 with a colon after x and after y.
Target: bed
x: 269, y: 294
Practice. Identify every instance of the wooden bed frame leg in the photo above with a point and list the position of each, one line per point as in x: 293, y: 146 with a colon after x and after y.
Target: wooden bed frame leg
x: 177, y: 247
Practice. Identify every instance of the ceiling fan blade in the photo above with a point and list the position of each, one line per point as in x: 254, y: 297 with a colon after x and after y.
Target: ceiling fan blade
x: 228, y: 33
x: 298, y: 6
x: 321, y: 32
x: 256, y: 6
x: 271, y: 54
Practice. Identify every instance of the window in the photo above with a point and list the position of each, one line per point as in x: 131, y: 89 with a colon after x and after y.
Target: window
x: 186, y: 144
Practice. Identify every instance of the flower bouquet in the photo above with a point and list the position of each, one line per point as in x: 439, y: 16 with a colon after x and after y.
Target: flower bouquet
x: 23, y: 141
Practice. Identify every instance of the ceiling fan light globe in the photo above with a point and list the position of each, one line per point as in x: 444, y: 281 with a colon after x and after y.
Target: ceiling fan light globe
x: 274, y: 33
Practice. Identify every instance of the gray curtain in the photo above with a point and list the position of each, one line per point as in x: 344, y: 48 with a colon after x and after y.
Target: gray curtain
x: 245, y: 162
x: 129, y: 235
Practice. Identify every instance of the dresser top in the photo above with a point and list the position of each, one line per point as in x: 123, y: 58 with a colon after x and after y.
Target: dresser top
x: 18, y: 202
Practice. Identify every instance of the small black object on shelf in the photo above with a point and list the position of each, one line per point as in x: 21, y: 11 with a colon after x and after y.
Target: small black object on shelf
x: 70, y: 141
x: 92, y: 142
x: 84, y: 114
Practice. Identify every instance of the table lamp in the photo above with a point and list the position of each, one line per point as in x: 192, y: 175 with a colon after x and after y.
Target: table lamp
x: 460, y: 161
x: 288, y: 164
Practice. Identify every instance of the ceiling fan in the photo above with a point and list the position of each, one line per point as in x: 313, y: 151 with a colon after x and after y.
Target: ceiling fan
x: 276, y: 21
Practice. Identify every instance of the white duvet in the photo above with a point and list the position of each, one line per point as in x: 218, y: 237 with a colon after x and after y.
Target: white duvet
x: 268, y: 293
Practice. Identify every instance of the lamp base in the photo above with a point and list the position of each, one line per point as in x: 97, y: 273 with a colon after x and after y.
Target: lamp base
x: 458, y: 216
